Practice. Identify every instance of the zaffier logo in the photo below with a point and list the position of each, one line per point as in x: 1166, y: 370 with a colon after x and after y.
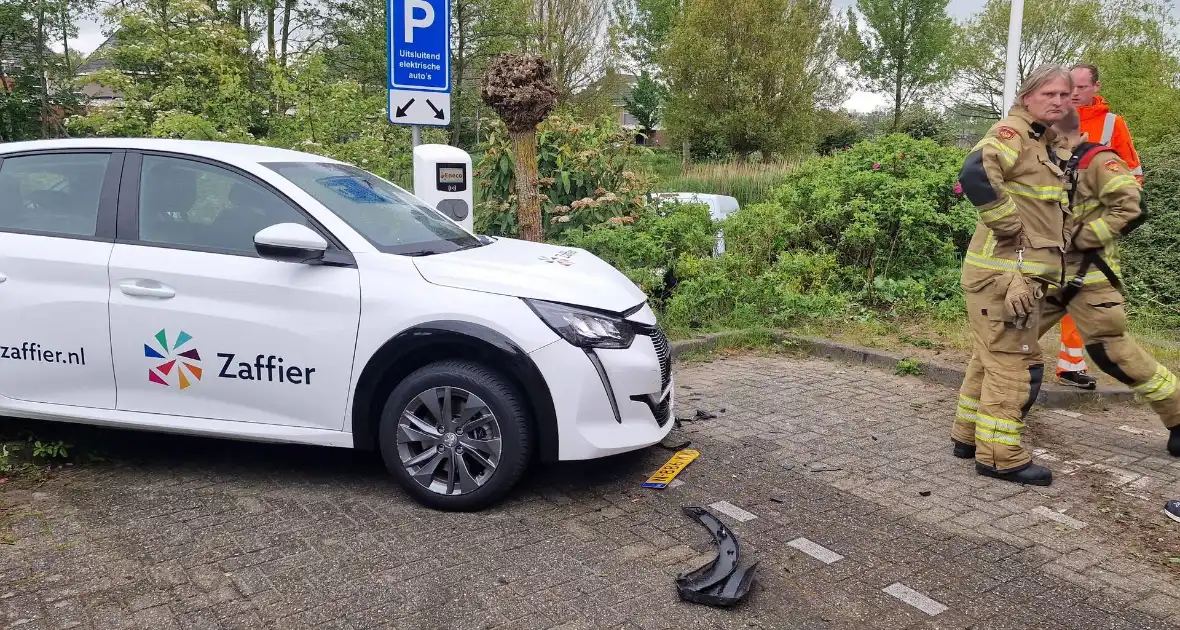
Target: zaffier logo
x: 174, y: 360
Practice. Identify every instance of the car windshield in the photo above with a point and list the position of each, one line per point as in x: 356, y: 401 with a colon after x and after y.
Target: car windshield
x: 395, y: 221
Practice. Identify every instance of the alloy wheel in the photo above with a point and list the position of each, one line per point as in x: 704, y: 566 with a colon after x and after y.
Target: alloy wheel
x: 449, y: 440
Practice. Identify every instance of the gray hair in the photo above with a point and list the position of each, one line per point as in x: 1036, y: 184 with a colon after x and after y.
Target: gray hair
x: 1039, y: 77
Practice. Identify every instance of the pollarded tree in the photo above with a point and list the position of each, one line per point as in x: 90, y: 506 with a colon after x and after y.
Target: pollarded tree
x: 521, y: 90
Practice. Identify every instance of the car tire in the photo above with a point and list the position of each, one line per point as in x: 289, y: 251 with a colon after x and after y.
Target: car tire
x: 446, y: 467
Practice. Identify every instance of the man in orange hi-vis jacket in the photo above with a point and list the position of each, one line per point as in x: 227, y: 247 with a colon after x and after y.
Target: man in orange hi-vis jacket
x: 1104, y: 127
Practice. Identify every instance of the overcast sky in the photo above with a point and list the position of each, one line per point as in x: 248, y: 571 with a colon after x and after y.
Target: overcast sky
x: 90, y: 37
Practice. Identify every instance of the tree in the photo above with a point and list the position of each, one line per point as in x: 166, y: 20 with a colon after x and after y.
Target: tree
x: 571, y: 36
x: 178, y: 60
x: 646, y: 101
x: 1053, y: 31
x: 643, y: 26
x: 754, y: 79
x: 481, y: 29
x: 520, y: 88
x: 903, y: 50
x: 20, y: 86
x: 1140, y: 75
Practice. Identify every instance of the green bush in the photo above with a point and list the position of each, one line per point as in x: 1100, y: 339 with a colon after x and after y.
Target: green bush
x: 1150, y: 254
x: 875, y: 228
x: 925, y: 124
x: 651, y: 248
x: 838, y: 131
x: 589, y: 173
x: 719, y: 293
x: 885, y: 208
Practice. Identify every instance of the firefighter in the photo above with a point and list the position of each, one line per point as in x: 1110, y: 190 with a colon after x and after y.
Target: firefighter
x: 1106, y: 205
x: 1104, y: 127
x: 1015, y: 257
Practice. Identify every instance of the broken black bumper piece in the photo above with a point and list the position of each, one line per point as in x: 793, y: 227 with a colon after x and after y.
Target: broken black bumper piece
x: 722, y: 582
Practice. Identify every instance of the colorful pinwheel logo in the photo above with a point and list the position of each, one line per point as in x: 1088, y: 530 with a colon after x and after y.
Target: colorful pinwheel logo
x: 174, y: 360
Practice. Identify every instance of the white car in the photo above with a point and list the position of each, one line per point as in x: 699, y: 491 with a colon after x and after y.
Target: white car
x: 255, y: 293
x: 720, y: 207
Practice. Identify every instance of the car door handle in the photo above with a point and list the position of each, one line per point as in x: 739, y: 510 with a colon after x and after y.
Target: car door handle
x: 3, y: 277
x: 146, y: 288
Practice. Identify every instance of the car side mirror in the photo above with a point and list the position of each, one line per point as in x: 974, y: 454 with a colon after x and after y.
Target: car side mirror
x: 290, y: 242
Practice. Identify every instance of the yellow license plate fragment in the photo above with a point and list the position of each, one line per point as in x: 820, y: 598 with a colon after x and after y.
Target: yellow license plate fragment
x: 669, y: 470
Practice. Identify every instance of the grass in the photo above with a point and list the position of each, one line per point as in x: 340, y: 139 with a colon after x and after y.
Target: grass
x: 752, y: 341
x: 748, y: 183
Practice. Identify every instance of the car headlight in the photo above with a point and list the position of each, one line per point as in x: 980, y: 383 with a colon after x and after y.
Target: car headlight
x: 585, y: 328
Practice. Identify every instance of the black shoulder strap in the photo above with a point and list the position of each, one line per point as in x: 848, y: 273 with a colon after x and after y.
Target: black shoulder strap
x: 1071, y: 167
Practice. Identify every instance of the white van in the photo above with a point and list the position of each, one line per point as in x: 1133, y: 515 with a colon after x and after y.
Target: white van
x: 254, y: 293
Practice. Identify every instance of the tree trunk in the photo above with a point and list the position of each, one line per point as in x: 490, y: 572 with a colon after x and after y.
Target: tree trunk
x: 65, y: 34
x: 41, y: 70
x: 901, y: 67
x: 685, y: 154
x: 9, y: 135
x: 288, y: 5
x: 271, y: 47
x: 528, y: 205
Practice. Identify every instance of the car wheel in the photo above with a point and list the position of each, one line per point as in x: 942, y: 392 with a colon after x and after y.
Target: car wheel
x: 456, y: 436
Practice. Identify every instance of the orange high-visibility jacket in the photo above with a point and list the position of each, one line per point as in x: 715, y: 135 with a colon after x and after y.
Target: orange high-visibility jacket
x: 1106, y: 127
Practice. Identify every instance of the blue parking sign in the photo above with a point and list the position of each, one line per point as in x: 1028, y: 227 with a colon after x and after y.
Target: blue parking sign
x: 419, y: 45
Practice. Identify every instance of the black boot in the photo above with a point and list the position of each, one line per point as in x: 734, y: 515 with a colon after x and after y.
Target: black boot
x: 964, y: 451
x: 1032, y: 474
x: 1078, y: 379
x: 1174, y: 442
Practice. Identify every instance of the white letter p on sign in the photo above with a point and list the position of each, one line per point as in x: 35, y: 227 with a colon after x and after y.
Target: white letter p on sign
x: 412, y: 22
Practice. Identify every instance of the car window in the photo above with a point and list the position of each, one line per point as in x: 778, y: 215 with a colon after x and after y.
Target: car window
x: 393, y: 220
x: 57, y: 193
x: 195, y: 205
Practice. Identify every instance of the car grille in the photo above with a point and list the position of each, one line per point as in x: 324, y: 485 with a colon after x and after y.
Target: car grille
x: 662, y: 411
x: 660, y: 341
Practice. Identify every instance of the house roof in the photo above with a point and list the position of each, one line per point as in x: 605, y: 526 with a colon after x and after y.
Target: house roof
x: 100, y: 58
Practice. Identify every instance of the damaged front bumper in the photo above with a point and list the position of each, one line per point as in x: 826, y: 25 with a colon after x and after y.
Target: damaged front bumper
x: 723, y: 581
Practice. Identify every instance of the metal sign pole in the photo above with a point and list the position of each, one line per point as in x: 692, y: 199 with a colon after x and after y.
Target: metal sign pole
x: 417, y: 134
x: 1012, y: 69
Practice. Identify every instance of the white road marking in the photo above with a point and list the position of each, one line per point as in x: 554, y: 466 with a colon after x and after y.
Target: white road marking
x: 914, y: 598
x: 1138, y: 431
x: 1043, y: 453
x: 1121, y: 477
x: 819, y: 552
x: 1068, y: 414
x: 733, y: 511
x: 676, y: 483
x: 1068, y: 521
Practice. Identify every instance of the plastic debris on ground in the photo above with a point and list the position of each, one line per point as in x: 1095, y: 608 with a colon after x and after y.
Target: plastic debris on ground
x: 722, y: 582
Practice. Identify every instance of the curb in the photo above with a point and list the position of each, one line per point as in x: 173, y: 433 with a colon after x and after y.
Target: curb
x: 1051, y: 395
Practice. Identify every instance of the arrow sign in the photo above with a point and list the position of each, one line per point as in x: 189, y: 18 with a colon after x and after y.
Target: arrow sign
x: 437, y: 112
x: 419, y: 42
x: 401, y: 111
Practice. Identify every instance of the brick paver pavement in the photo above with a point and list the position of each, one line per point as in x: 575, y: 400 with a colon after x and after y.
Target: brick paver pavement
x: 861, y: 519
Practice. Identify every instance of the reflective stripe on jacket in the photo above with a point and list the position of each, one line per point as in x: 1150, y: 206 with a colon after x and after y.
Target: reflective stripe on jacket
x: 1013, y: 181
x: 1105, y: 127
x: 1106, y: 206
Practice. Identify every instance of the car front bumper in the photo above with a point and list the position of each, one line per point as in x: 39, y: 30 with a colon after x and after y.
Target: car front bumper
x: 610, y: 401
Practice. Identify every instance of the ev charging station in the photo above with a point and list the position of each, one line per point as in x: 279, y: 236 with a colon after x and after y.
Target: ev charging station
x: 442, y: 178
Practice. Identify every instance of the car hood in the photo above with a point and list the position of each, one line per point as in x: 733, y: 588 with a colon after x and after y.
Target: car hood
x: 534, y: 270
